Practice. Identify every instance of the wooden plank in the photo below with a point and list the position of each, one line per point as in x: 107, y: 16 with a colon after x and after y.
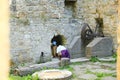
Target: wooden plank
x: 118, y: 40
x: 118, y: 54
x: 4, y: 40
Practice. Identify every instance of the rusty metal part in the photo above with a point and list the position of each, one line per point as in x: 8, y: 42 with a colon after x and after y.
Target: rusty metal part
x: 86, y: 33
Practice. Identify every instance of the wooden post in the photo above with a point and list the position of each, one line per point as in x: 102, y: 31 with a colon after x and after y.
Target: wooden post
x: 4, y: 40
x: 118, y: 50
x: 118, y: 54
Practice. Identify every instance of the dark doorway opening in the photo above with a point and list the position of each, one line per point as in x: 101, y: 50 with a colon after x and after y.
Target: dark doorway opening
x: 56, y: 41
x: 70, y: 8
x: 99, y: 27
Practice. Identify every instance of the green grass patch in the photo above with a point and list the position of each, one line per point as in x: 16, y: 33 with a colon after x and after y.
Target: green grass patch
x: 68, y: 67
x: 94, y: 59
x: 88, y: 71
x: 115, y: 57
x: 100, y: 74
x: 28, y: 77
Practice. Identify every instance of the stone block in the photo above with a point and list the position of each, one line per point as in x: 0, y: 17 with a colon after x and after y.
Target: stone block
x: 100, y: 47
x: 109, y: 78
x: 75, y: 47
x: 64, y: 62
x: 88, y: 77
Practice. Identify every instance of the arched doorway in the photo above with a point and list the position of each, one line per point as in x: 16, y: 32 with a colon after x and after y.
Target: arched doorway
x: 55, y: 41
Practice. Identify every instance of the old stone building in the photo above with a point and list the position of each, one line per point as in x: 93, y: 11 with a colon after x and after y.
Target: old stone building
x: 33, y: 23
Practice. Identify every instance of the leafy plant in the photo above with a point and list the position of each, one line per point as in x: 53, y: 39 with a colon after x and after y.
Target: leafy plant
x: 94, y: 59
x: 28, y: 77
x: 115, y: 56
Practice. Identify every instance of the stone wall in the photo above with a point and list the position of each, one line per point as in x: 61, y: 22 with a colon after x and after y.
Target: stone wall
x: 88, y: 10
x: 34, y: 22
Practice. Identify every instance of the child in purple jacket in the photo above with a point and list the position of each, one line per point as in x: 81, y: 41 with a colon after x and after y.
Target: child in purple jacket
x: 62, y: 52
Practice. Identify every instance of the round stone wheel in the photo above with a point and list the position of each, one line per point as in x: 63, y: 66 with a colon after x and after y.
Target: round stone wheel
x: 53, y: 74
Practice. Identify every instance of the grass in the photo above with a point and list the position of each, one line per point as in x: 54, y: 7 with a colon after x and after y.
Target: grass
x: 68, y: 67
x: 88, y: 71
x: 94, y: 59
x: 115, y: 56
x: 100, y: 74
x: 28, y: 77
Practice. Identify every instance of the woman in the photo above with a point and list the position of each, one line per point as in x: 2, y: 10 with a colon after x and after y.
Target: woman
x: 62, y: 52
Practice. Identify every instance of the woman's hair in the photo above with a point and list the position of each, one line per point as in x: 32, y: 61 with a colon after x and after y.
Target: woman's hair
x: 60, y: 39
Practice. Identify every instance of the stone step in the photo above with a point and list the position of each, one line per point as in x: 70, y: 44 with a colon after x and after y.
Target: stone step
x: 88, y: 77
x: 108, y: 78
x: 100, y: 47
x: 83, y: 59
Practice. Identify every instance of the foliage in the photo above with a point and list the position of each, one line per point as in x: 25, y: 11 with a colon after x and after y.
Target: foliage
x: 68, y: 67
x: 115, y: 56
x: 35, y: 77
x: 94, y: 59
x: 88, y: 71
x: 100, y: 74
x: 28, y: 77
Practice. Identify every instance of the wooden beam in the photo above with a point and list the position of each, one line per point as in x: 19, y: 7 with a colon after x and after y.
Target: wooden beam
x: 4, y: 40
x: 118, y: 40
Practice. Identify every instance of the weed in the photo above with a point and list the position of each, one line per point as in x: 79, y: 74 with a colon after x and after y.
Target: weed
x: 35, y: 77
x: 88, y: 71
x: 94, y: 59
x: 115, y: 56
x: 28, y: 77
x: 68, y: 67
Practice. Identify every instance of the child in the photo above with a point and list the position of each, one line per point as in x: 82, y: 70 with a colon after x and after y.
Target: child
x: 56, y: 41
x: 53, y: 48
x: 62, y: 52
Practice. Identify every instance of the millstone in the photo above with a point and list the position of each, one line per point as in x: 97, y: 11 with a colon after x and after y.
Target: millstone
x: 53, y: 74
